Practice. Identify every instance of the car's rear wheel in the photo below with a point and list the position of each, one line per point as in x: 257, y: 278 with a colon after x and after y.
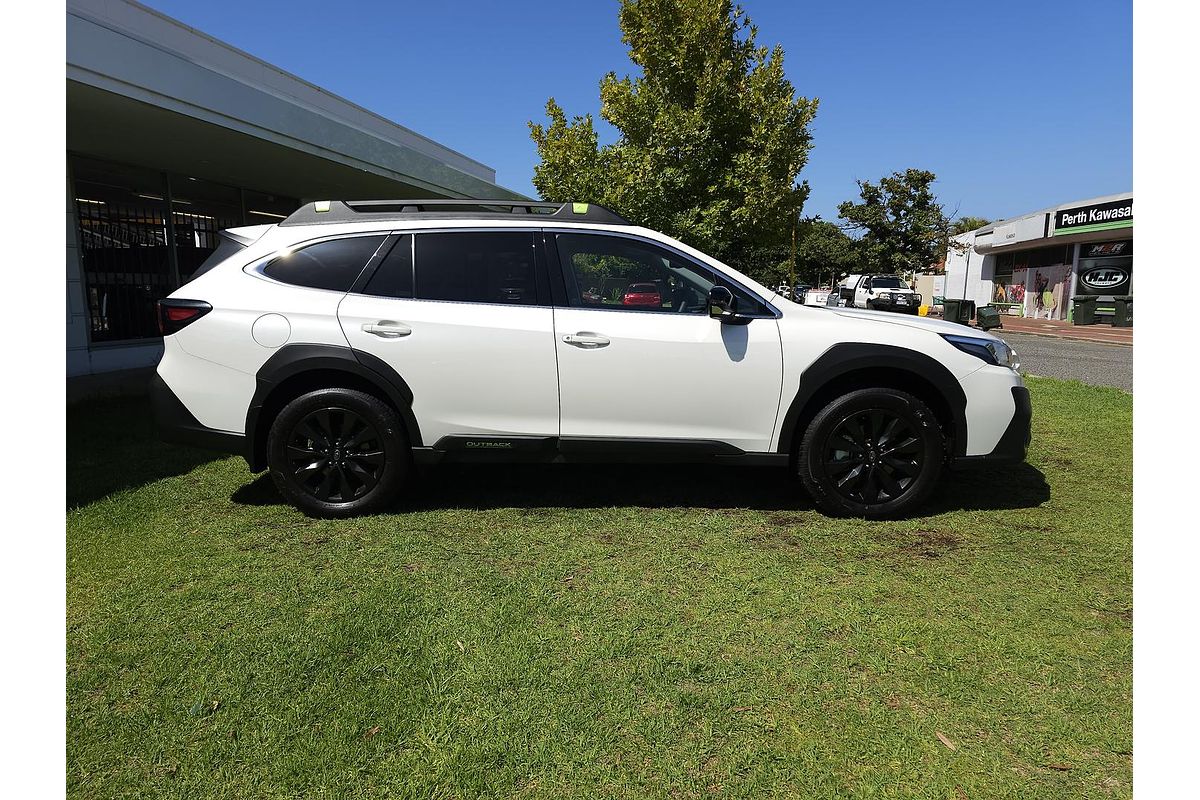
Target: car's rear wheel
x: 338, y: 453
x: 871, y: 453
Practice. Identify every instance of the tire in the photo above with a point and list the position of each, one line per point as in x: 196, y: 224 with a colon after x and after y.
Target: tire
x: 338, y: 453
x: 871, y: 453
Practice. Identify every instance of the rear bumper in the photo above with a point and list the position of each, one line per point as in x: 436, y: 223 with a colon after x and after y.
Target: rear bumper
x: 1014, y: 442
x: 174, y: 423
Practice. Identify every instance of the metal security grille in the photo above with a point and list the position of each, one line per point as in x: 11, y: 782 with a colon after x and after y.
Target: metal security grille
x: 134, y: 253
x: 196, y: 237
x: 126, y: 258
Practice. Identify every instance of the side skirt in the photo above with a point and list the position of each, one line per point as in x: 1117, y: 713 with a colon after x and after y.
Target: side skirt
x: 589, y: 450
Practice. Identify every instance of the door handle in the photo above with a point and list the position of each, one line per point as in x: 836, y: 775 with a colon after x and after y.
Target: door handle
x: 386, y: 329
x: 586, y: 339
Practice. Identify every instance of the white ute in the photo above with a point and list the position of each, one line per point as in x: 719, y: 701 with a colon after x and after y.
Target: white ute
x: 353, y: 340
x: 878, y: 293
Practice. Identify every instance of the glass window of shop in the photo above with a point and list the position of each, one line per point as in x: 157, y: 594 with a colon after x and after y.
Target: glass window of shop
x: 134, y: 253
x: 1033, y: 282
x: 1106, y: 268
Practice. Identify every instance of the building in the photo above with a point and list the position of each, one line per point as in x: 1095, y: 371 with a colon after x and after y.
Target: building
x: 173, y: 135
x: 1034, y: 265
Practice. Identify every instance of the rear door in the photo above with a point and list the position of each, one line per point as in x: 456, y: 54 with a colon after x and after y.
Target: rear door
x: 458, y: 315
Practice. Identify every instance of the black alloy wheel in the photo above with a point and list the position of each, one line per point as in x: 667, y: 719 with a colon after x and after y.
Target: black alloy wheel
x: 338, y: 453
x: 873, y: 456
x: 335, y: 455
x: 871, y: 453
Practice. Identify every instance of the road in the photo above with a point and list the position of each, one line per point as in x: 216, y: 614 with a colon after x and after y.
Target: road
x: 1097, y: 364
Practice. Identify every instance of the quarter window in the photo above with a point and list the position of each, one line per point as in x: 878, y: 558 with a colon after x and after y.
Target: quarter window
x: 333, y: 264
x: 476, y: 267
x: 618, y: 273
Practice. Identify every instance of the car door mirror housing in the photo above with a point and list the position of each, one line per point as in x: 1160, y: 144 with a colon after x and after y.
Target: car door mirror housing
x: 721, y: 303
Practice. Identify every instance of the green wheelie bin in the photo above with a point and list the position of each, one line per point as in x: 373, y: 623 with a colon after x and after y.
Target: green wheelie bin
x: 959, y: 311
x: 1084, y: 312
x: 1122, y: 311
x: 988, y: 317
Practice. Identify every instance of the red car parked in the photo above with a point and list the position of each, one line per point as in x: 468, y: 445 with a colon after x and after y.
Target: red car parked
x: 642, y: 294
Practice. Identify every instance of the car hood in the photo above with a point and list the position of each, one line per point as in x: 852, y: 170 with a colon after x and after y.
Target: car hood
x: 938, y: 326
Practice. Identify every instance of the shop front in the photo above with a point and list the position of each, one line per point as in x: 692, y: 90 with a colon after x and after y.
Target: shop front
x: 1037, y: 264
x: 1105, y: 270
x: 1034, y: 283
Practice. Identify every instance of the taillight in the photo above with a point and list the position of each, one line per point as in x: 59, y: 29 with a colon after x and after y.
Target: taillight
x: 175, y: 315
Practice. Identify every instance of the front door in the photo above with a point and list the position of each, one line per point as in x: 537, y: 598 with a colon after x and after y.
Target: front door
x: 862, y: 293
x: 639, y: 357
x: 456, y: 315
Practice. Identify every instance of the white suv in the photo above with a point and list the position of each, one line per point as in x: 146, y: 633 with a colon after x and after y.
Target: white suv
x: 354, y: 339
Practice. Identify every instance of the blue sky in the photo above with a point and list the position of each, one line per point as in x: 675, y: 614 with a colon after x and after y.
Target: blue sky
x: 1015, y: 106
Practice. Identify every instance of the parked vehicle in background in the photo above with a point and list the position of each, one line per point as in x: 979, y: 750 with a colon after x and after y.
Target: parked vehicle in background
x: 794, y: 293
x: 879, y: 293
x: 642, y: 294
x: 353, y: 340
x: 816, y: 296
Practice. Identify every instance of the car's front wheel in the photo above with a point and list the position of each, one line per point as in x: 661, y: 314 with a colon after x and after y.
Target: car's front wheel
x: 872, y: 453
x: 338, y: 453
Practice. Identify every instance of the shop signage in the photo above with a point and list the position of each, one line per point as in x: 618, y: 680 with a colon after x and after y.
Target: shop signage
x: 1106, y: 249
x: 1099, y: 217
x: 1102, y: 279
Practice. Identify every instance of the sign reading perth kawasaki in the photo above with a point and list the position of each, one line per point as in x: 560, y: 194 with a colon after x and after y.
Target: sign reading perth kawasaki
x: 1099, y: 217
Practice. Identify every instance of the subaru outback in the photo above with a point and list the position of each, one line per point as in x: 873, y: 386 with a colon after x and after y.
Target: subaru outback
x: 352, y: 341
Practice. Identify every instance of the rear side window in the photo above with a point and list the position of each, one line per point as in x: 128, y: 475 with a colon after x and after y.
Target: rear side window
x: 394, y: 275
x: 476, y: 267
x: 329, y: 265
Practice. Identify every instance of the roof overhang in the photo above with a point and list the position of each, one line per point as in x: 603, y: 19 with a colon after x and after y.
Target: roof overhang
x: 144, y: 89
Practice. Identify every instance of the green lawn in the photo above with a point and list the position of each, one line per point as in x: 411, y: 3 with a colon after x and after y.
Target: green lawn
x: 590, y: 631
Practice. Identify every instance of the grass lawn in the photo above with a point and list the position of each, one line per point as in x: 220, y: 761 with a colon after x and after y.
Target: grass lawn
x: 593, y: 631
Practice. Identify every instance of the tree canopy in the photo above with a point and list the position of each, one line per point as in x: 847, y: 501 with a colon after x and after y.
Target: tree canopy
x: 712, y: 137
x: 904, y: 228
x: 824, y: 248
x: 964, y: 224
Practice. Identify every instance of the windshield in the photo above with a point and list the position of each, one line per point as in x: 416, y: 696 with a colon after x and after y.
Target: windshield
x: 888, y: 282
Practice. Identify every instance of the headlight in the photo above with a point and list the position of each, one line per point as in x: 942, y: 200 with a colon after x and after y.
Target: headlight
x: 993, y: 351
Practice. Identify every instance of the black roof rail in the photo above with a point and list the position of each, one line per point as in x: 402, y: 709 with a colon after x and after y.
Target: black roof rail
x: 330, y: 211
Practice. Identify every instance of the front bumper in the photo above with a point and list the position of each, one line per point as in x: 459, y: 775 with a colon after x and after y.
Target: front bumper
x: 1014, y: 442
x: 174, y: 423
x: 910, y: 305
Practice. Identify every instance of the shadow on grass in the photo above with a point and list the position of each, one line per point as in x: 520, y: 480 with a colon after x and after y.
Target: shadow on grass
x: 112, y: 446
x: 478, y: 486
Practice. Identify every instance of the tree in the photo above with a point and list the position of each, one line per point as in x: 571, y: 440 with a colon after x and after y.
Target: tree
x: 964, y: 224
x: 824, y: 248
x: 712, y: 136
x: 904, y: 229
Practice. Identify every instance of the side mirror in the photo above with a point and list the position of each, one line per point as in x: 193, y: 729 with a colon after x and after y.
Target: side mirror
x: 722, y: 304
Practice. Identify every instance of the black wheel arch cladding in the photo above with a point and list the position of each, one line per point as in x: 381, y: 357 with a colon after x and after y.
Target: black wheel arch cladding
x: 295, y: 360
x: 843, y: 359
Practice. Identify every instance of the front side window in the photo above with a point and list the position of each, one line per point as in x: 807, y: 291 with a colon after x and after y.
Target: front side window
x: 475, y: 267
x: 618, y: 273
x: 333, y: 264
